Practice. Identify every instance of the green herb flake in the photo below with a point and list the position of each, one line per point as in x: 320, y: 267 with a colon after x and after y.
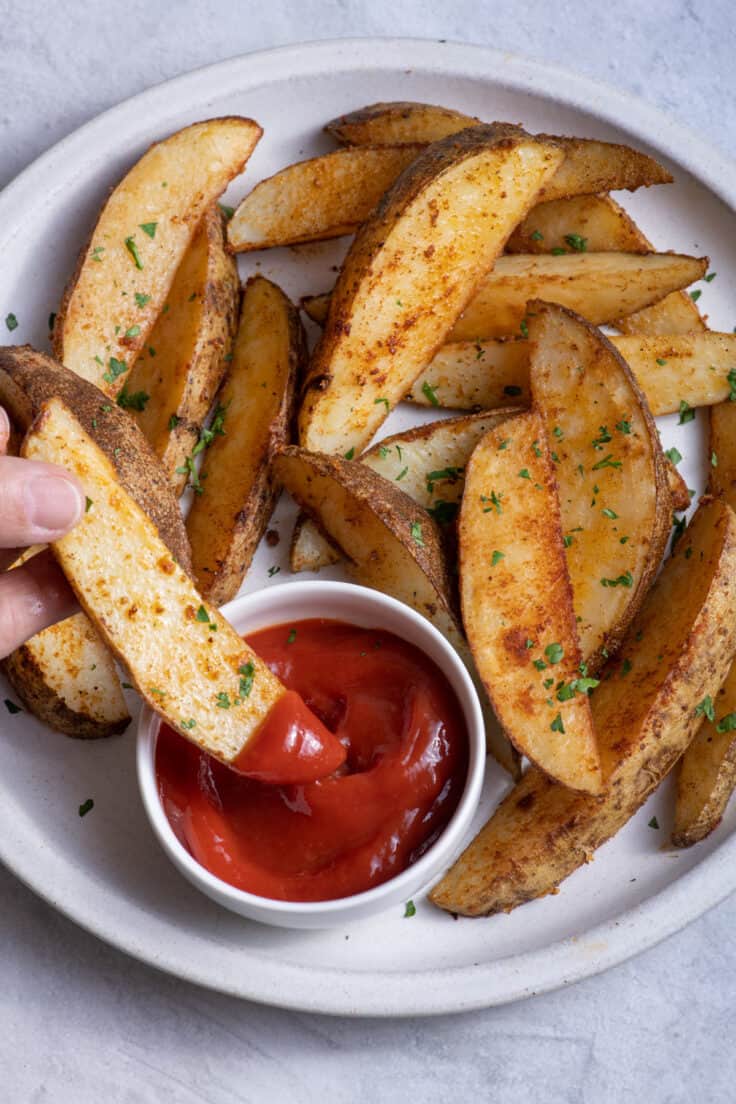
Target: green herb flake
x: 607, y: 512
x: 558, y: 251
x: 495, y: 501
x: 442, y: 475
x: 133, y: 250
x: 607, y: 462
x: 416, y: 533
x: 430, y: 394
x: 223, y: 700
x: 86, y: 807
x: 625, y: 580
x: 11, y: 322
x: 291, y: 637
x: 11, y: 707
x: 625, y: 668
x: 188, y: 725
x: 695, y: 295
x: 444, y: 513
x: 148, y: 228
x: 714, y: 459
x: 496, y: 558
x: 537, y: 236
x: 577, y: 242
x: 401, y: 475
x: 726, y: 724
x: 710, y: 277
x: 653, y: 823
x: 133, y: 331
x: 87, y: 504
x: 673, y: 455
x: 202, y: 615
x: 174, y: 421
x: 554, y: 653
x: 678, y: 528
x: 274, y: 570
x: 557, y: 725
x: 247, y: 674
x: 115, y: 369
x: 524, y: 474
x: 141, y: 299
x: 377, y: 401
x: 539, y: 664
x: 135, y: 400
x: 524, y: 330
x: 686, y: 413
x: 350, y: 454
x: 227, y: 211
x: 410, y: 909
x: 705, y: 708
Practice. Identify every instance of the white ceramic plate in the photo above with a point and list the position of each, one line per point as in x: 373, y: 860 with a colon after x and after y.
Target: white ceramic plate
x: 106, y: 871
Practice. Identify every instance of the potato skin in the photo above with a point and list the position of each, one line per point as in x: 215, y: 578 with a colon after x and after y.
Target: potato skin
x: 29, y: 378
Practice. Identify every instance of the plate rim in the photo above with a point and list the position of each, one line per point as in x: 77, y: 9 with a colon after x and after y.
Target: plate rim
x: 457, y: 988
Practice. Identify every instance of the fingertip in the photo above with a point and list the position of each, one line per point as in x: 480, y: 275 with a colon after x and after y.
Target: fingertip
x: 4, y: 430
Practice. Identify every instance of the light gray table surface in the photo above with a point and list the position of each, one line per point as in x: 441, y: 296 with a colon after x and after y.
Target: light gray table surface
x: 80, y: 1022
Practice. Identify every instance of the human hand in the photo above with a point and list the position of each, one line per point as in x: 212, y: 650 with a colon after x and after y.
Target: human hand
x: 38, y: 503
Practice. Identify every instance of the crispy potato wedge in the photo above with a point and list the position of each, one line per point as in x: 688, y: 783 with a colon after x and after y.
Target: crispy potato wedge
x: 397, y: 123
x: 677, y: 652
x: 124, y: 274
x: 257, y: 400
x: 318, y: 199
x: 409, y: 274
x: 66, y: 677
x: 183, y: 362
x: 678, y: 488
x: 614, y: 499
x: 707, y: 774
x: 600, y: 286
x: 517, y: 602
x: 584, y: 223
x: 708, y: 769
x: 146, y: 606
x: 482, y: 375
x: 390, y: 543
x: 429, y: 463
x: 29, y: 378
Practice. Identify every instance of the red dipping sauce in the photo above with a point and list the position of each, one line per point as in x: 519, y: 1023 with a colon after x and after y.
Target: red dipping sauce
x: 406, y: 764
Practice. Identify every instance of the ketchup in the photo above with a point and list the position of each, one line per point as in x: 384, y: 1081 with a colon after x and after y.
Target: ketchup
x: 406, y: 745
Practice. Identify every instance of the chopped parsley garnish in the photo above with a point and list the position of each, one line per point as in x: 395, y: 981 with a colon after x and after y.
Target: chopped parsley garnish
x: 430, y: 394
x: 695, y: 295
x: 539, y: 664
x: 557, y: 725
x: 350, y: 454
x: 202, y: 615
x: 115, y: 368
x: 223, y: 700
x: 504, y: 444
x: 524, y: 329
x: 710, y: 277
x: 149, y: 228
x: 188, y: 725
x: 247, y: 673
x: 12, y: 707
x: 686, y: 413
x: 11, y: 322
x: 416, y: 533
x: 227, y: 211
x: 133, y: 331
x: 97, y: 253
x: 609, y: 513
x: 141, y: 299
x: 625, y: 668
x: 625, y: 580
x: 731, y: 377
x: 567, y: 690
x: 524, y: 474
x: 135, y: 400
x: 705, y: 708
x: 174, y: 421
x: 653, y: 823
x: 554, y: 653
x: 673, y: 455
x: 714, y: 460
x: 377, y: 401
x: 678, y: 528
x: 537, y: 450
x: 401, y: 475
x: 661, y: 362
x: 273, y: 571
x: 87, y: 504
x: 607, y: 462
x: 86, y: 806
x: 558, y: 251
x: 559, y: 433
x: 410, y: 909
x: 495, y: 501
x: 441, y: 475
x: 496, y: 558
x: 577, y: 242
x: 726, y: 724
x: 537, y: 236
x: 133, y: 250
x: 291, y: 637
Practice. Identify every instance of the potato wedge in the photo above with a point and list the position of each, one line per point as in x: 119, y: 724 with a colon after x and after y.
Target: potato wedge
x: 678, y: 488
x: 390, y: 544
x: 174, y: 379
x: 124, y: 274
x: 429, y: 463
x: 397, y: 123
x: 600, y: 286
x: 318, y: 199
x: 517, y: 602
x: 237, y: 489
x: 583, y: 223
x: 676, y: 652
x: 482, y: 375
x: 409, y: 274
x: 29, y: 378
x: 147, y: 608
x: 707, y: 774
x: 66, y: 677
x: 614, y: 499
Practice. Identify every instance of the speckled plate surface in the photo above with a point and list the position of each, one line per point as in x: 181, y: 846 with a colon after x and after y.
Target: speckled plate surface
x: 106, y: 871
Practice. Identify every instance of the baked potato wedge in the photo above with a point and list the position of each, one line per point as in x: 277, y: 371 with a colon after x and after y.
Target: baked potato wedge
x: 482, y: 375
x: 124, y: 274
x: 237, y: 491
x: 707, y: 774
x: 602, y: 287
x: 318, y: 199
x: 409, y: 274
x: 678, y: 488
x: 614, y: 499
x: 174, y: 379
x: 590, y: 166
x: 646, y: 710
x: 66, y: 677
x: 517, y: 602
x: 429, y: 464
x: 390, y: 543
x: 186, y: 660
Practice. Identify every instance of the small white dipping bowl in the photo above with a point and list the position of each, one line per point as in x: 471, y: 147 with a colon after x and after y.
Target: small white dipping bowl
x: 356, y: 605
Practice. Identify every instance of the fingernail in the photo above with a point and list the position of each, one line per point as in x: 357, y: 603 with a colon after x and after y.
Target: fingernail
x: 52, y: 502
x: 4, y: 424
